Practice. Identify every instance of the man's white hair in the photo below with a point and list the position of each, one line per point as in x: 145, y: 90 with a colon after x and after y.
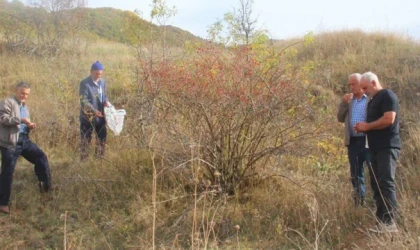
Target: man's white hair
x: 369, y: 76
x: 355, y: 75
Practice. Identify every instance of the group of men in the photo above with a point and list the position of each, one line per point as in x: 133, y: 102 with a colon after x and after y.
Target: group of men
x: 370, y: 114
x: 371, y: 117
x: 16, y: 125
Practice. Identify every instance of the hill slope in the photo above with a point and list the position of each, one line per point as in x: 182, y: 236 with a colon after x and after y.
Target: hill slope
x: 117, y: 25
x: 20, y: 24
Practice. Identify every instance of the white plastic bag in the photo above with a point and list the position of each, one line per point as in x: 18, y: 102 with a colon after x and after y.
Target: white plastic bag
x: 114, y: 119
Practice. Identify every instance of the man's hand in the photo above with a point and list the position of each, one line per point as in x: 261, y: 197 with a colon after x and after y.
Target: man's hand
x: 28, y: 123
x: 347, y: 97
x: 361, y: 127
x: 98, y: 114
x: 31, y: 125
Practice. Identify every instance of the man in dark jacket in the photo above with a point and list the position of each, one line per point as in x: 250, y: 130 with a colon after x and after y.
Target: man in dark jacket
x: 93, y: 99
x: 15, y: 125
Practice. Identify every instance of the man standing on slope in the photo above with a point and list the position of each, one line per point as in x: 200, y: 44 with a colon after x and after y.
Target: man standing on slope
x: 93, y: 99
x: 352, y: 110
x: 382, y: 129
x: 15, y: 126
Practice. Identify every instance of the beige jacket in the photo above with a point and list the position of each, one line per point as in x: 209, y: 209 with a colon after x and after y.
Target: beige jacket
x: 343, y: 116
x: 9, y: 122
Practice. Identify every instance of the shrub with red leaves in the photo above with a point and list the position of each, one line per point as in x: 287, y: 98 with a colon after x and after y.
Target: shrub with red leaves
x: 235, y: 107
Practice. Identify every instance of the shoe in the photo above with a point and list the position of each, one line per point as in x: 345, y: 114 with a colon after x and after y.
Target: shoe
x: 4, y: 209
x: 381, y: 228
x: 359, y: 201
x: 44, y: 187
x: 84, y: 158
x: 100, y: 151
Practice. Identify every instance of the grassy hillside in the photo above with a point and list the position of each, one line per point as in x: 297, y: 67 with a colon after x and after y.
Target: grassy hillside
x: 113, y: 24
x: 41, y: 30
x: 158, y: 186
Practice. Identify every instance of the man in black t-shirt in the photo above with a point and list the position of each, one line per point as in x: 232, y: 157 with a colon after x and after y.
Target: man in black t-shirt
x: 382, y: 129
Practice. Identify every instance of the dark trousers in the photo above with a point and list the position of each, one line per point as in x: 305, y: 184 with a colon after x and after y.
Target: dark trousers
x: 384, y: 164
x: 358, y: 154
x: 86, y: 130
x: 31, y: 152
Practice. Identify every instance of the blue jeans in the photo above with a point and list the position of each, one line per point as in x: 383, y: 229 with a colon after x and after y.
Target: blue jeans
x: 358, y: 154
x: 384, y: 165
x: 86, y: 130
x: 31, y: 152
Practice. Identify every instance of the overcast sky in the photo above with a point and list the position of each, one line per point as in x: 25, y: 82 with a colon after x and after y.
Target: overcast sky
x: 290, y: 18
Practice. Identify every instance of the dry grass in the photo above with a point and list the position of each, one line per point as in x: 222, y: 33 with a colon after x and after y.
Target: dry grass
x: 305, y: 204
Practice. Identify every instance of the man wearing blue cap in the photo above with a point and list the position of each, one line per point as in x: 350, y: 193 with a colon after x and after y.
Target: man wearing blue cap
x: 93, y: 99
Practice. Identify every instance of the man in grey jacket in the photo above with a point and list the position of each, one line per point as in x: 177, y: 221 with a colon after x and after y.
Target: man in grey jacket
x: 15, y: 125
x: 352, y: 110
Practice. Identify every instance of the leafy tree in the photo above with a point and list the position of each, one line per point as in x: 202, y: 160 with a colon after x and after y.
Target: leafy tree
x: 15, y: 29
x: 160, y: 13
x: 238, y: 27
x: 44, y: 27
x: 58, y: 24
